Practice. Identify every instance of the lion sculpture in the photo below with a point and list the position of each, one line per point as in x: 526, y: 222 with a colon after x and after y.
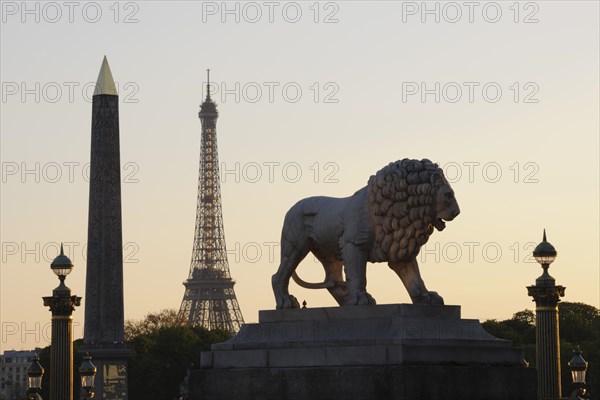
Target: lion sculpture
x: 386, y: 221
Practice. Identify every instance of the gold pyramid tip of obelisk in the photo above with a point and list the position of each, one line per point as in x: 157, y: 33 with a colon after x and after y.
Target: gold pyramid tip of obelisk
x: 105, y: 83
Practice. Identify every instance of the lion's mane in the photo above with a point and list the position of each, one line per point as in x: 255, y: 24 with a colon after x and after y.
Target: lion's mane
x: 401, y: 197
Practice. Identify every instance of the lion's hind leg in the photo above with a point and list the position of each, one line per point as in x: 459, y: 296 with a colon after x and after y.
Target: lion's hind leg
x: 334, y: 273
x: 292, y: 253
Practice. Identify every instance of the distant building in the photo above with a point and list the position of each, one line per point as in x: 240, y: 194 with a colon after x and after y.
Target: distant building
x: 13, y: 373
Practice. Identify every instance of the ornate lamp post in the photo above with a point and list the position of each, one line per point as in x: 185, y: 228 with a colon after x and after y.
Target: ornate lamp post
x: 62, y: 304
x: 34, y: 379
x: 578, y: 367
x: 546, y: 295
x: 87, y: 372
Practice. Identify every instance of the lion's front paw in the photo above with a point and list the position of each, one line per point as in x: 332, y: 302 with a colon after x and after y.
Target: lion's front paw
x: 428, y: 298
x: 360, y: 298
x: 436, y: 298
x: 287, y: 301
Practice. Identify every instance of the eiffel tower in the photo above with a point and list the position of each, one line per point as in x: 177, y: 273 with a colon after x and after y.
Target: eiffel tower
x: 209, y: 298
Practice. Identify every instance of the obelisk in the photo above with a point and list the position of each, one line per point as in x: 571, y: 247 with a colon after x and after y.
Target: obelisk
x: 104, y: 320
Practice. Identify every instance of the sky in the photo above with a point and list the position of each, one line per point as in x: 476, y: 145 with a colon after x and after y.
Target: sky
x: 314, y: 98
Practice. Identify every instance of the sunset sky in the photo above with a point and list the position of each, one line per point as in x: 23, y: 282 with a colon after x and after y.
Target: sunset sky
x: 314, y: 97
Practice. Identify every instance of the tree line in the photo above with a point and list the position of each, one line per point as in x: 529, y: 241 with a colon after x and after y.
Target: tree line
x: 579, y: 325
x: 163, y: 351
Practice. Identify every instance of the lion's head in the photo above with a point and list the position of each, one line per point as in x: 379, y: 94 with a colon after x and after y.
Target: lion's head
x: 407, y: 199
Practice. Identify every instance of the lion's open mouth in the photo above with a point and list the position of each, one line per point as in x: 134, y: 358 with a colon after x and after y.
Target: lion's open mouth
x: 439, y: 224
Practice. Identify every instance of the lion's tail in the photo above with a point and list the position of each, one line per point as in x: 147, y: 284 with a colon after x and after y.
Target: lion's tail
x: 308, y: 285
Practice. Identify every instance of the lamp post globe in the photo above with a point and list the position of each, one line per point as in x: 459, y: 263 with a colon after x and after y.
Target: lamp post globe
x: 62, y: 265
x: 544, y: 252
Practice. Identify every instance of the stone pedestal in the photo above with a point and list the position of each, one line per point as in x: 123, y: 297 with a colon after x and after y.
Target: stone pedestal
x: 401, y: 351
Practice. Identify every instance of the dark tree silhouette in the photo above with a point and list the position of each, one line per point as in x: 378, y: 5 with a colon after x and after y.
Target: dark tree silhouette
x: 579, y: 325
x: 164, y: 350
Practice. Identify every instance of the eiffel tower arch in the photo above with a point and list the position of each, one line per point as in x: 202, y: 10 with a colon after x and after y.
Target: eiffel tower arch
x: 209, y: 300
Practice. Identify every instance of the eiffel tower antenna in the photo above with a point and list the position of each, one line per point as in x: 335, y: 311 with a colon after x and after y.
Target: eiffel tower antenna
x: 209, y: 298
x: 208, y: 84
